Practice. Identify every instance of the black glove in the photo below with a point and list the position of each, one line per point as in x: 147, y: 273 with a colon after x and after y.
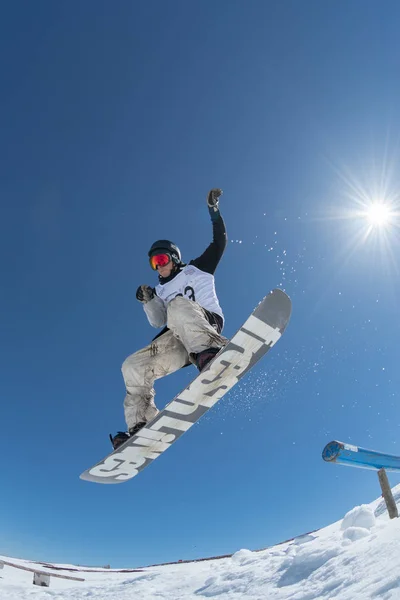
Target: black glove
x: 213, y: 198
x: 145, y: 293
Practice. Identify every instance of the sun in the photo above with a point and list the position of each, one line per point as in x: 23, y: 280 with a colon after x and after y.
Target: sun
x: 367, y: 208
x: 379, y: 214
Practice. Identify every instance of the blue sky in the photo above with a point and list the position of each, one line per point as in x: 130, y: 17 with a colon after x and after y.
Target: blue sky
x: 116, y: 119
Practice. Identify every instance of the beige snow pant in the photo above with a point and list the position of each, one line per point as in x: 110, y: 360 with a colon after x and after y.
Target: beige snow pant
x: 189, y: 331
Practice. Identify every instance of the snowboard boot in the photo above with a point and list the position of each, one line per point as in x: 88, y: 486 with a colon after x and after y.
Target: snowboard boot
x: 118, y: 439
x: 203, y: 358
x: 122, y: 436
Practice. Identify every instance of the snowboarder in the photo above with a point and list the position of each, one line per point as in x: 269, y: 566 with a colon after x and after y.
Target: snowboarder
x: 185, y: 304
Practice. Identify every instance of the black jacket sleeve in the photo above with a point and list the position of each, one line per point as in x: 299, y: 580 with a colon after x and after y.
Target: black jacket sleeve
x: 208, y: 261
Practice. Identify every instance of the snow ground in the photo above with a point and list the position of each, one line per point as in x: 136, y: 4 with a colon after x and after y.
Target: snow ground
x: 357, y: 558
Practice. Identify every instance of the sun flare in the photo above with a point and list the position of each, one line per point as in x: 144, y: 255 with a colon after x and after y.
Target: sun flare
x: 379, y: 214
x: 368, y: 207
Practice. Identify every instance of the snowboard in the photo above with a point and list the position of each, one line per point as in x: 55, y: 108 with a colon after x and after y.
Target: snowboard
x: 250, y: 343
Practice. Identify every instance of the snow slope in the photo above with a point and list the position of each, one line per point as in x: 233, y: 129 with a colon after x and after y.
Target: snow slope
x: 357, y: 558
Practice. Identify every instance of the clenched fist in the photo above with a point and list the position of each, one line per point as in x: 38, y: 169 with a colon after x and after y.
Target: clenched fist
x: 213, y: 197
x: 145, y: 293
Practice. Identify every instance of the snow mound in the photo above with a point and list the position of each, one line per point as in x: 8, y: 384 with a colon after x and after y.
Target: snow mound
x: 303, y: 562
x: 359, y: 517
x: 243, y: 557
x: 355, y: 533
x: 226, y: 584
x: 303, y: 539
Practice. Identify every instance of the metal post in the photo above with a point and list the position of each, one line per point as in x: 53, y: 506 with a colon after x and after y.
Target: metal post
x: 387, y: 494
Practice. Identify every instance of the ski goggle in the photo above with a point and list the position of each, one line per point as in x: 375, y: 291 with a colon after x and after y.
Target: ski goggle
x: 159, y: 260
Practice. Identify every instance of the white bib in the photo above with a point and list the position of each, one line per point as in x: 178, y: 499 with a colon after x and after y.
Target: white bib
x: 194, y: 284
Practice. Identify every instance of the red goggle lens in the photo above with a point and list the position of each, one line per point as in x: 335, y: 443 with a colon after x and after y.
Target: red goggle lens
x: 159, y: 260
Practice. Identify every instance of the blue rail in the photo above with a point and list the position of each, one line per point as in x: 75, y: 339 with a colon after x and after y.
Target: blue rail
x: 354, y: 456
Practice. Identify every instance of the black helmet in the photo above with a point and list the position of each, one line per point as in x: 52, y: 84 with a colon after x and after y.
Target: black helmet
x: 161, y: 246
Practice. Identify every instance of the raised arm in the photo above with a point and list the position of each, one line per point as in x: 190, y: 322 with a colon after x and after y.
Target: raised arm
x: 208, y: 261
